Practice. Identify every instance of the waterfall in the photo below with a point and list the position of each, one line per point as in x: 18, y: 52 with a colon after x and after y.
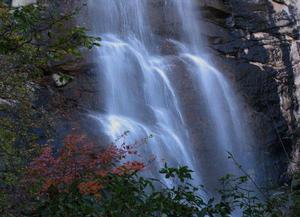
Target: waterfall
x: 141, y: 95
x: 17, y: 3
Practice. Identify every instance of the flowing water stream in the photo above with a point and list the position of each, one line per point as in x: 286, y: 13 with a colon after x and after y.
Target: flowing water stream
x: 17, y: 3
x: 142, y: 96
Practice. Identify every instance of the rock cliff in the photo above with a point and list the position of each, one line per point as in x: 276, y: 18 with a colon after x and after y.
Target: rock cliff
x: 257, y: 43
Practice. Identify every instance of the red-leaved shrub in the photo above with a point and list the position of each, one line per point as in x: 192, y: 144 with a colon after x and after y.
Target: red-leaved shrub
x: 81, y: 162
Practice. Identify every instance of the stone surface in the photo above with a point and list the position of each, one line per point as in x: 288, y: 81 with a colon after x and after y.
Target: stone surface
x: 257, y: 44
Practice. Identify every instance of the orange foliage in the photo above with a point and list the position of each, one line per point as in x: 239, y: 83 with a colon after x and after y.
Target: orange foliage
x: 80, y: 161
x: 128, y: 167
x: 89, y: 187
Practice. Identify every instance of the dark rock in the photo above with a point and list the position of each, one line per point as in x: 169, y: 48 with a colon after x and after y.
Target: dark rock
x: 262, y: 54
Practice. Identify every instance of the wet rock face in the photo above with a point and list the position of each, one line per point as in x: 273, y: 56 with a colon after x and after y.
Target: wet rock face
x: 257, y: 43
x: 70, y: 90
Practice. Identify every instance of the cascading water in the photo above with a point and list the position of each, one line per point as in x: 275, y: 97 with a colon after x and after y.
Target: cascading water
x: 17, y: 3
x: 141, y: 96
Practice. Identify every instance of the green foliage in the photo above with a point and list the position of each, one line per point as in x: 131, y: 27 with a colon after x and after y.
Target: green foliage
x: 82, y: 182
x: 35, y: 36
x: 133, y: 195
x: 32, y: 39
x: 70, y: 203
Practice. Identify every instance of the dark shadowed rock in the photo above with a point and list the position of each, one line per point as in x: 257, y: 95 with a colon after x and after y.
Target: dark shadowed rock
x: 259, y: 47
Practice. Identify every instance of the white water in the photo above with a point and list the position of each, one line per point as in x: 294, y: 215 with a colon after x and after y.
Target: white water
x: 141, y: 96
x: 18, y: 3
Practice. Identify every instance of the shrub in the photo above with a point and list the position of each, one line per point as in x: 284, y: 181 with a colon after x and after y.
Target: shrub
x: 83, y: 180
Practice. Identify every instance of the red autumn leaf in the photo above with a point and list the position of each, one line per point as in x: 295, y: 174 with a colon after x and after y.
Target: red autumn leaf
x: 79, y: 159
